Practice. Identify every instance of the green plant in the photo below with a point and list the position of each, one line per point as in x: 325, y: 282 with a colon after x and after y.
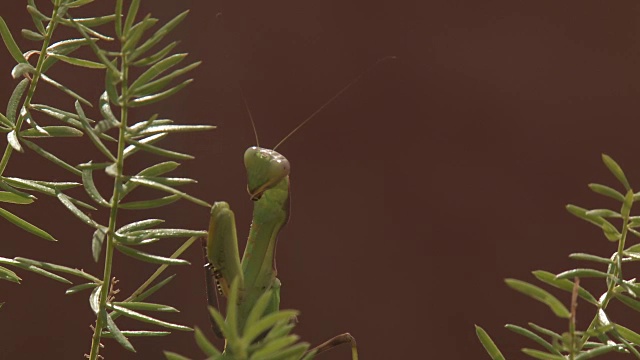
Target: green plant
x: 135, y: 74
x: 604, y: 334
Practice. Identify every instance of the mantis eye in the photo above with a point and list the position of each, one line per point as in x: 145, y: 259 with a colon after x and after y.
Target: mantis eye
x: 265, y: 168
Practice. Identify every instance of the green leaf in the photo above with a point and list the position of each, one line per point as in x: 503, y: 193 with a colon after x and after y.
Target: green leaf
x: 609, y: 230
x: 12, y: 138
x: 4, y: 184
x: 48, y: 188
x: 157, y: 85
x: 537, y: 354
x: 34, y: 269
x: 488, y: 344
x: 139, y: 225
x: 52, y: 131
x: 96, y: 242
x: 564, y: 284
x: 138, y: 144
x: 79, y: 62
x: 24, y: 184
x: 90, y: 188
x: 131, y: 17
x: 4, y: 121
x: 266, y: 322
x: 581, y: 273
x: 219, y: 320
x: 157, y: 69
x: 154, y: 170
x: 533, y: 336
x: 9, y: 275
x: 117, y: 334
x: 589, y: 257
x: 153, y: 289
x: 59, y: 268
x: 118, y: 18
x: 541, y: 295
x: 258, y: 309
x: 165, y: 233
x: 204, y: 344
x: 633, y: 304
x: 156, y: 57
x: 22, y: 70
x: 174, y: 356
x: 277, y: 347
x: 66, y: 201
x: 144, y: 306
x: 596, y: 352
x: 136, y: 33
x: 158, y: 186
x: 134, y: 129
x: 94, y: 299
x: 141, y: 145
x: 150, y: 258
x: 144, y: 318
x: 95, y: 21
x: 541, y: 330
x: 37, y: 17
x: 64, y: 89
x: 31, y: 35
x: 24, y: 225
x: 627, y: 334
x: 105, y: 109
x: 96, y: 50
x: 64, y: 116
x: 292, y: 352
x: 64, y: 47
x: 626, y: 204
x: 78, y: 3
x: 149, y: 204
x: 9, y: 197
x: 174, y: 129
x: 604, y: 213
x: 110, y: 82
x: 78, y: 288
x: 616, y: 170
x: 14, y: 100
x: 583, y: 214
x: 159, y: 35
x: 10, y: 43
x: 134, y: 333
x: 150, y: 99
x: 85, y: 30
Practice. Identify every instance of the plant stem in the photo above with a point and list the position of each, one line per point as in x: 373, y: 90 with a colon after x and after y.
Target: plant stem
x: 115, y: 199
x: 617, y: 274
x: 8, y: 150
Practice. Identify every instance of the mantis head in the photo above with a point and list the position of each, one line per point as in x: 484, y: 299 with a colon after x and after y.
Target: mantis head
x: 265, y: 169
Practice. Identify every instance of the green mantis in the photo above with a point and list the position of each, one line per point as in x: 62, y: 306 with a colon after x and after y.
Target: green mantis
x: 256, y: 274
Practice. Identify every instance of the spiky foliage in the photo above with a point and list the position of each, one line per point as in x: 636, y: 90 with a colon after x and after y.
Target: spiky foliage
x: 135, y: 42
x: 604, y: 334
x: 263, y: 336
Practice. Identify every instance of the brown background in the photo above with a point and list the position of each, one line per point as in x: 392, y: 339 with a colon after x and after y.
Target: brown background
x: 414, y: 195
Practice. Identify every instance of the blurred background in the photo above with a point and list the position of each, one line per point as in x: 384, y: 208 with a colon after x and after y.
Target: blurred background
x: 413, y: 195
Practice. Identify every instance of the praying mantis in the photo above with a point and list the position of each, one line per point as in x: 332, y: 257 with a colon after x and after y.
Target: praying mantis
x: 256, y: 273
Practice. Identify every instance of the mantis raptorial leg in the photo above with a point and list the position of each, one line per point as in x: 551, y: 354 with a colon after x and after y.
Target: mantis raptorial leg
x: 268, y: 187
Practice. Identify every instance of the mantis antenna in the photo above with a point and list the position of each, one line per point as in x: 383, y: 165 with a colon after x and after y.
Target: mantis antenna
x: 334, y: 97
x: 253, y: 123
